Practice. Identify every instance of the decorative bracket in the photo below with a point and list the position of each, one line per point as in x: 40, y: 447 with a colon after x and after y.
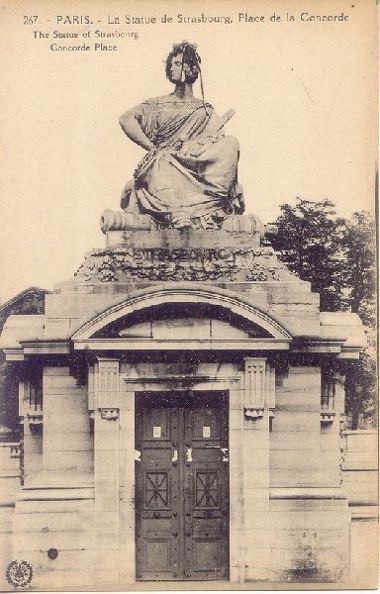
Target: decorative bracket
x: 327, y: 416
x: 30, y: 403
x: 332, y: 396
x: 34, y: 419
x: 13, y: 447
x: 104, y: 385
x: 109, y: 414
x: 259, y: 388
x: 252, y: 414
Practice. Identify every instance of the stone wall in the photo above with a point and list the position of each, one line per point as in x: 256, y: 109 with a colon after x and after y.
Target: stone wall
x: 54, y: 513
x: 289, y: 516
x: 10, y: 476
x: 192, y: 310
x: 360, y: 483
x: 308, y: 513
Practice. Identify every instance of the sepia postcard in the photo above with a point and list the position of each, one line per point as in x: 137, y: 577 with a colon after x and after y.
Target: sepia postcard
x: 188, y: 395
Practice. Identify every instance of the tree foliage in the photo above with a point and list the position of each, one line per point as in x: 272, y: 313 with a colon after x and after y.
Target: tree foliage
x: 361, y: 391
x: 337, y: 256
x: 309, y: 242
x: 360, y: 283
x: 29, y: 302
x: 9, y: 400
x: 360, y: 266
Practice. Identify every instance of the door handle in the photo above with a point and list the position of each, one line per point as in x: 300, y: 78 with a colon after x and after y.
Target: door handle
x: 189, y: 455
x: 225, y: 454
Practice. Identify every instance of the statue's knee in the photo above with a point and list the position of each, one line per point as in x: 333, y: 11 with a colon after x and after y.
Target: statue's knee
x: 232, y: 144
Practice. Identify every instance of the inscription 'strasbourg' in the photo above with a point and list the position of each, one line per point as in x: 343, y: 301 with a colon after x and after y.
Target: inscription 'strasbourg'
x: 242, y: 264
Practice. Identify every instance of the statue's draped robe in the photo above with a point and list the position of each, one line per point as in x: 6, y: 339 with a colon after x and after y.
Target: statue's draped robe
x: 190, y: 178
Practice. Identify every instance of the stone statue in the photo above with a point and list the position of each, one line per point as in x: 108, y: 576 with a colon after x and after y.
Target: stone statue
x: 188, y: 177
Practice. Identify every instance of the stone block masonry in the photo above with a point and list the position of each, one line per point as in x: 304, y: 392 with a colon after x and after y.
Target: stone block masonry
x: 177, y: 319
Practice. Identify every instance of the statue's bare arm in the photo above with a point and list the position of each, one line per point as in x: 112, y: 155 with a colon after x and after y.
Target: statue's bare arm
x: 133, y: 130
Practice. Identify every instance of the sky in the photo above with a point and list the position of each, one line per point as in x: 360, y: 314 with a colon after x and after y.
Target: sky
x: 304, y: 95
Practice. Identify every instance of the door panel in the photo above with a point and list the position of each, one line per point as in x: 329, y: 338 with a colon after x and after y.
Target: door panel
x: 156, y: 493
x: 206, y: 434
x: 182, y: 486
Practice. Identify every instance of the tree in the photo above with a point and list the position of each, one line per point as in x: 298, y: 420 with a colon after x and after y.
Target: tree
x: 338, y: 257
x: 360, y: 283
x: 309, y: 241
x: 360, y: 271
x: 9, y: 400
x: 28, y: 302
x: 361, y: 390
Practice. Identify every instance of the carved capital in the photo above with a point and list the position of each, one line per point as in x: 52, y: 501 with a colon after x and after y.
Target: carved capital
x: 35, y: 419
x: 259, y: 388
x: 252, y: 414
x: 332, y: 395
x: 30, y: 402
x: 106, y: 383
x: 254, y: 383
x: 109, y: 414
x: 327, y: 416
x: 91, y: 389
x: 15, y: 449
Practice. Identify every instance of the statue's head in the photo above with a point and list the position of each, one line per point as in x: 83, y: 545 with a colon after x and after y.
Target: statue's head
x: 183, y: 59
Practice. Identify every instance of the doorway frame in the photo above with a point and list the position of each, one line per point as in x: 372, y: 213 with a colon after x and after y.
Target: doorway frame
x: 228, y: 380
x: 187, y: 400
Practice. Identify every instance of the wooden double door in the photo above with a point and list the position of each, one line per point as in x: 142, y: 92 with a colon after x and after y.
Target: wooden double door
x: 182, y: 508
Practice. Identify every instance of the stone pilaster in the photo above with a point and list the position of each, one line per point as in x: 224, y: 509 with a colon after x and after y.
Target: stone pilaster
x: 107, y: 469
x: 127, y: 486
x: 237, y: 476
x: 256, y: 468
x: 332, y: 397
x: 30, y: 411
x: 254, y: 387
x: 106, y: 388
x: 332, y: 409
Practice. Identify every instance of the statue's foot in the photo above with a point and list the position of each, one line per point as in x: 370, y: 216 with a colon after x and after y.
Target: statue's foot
x: 181, y: 220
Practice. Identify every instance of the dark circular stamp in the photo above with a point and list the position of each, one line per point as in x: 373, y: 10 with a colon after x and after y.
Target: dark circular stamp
x: 19, y: 573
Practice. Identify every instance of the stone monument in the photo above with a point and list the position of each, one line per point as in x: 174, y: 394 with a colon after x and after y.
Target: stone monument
x: 189, y: 387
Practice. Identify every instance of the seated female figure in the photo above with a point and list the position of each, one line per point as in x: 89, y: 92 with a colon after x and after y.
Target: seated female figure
x: 188, y: 178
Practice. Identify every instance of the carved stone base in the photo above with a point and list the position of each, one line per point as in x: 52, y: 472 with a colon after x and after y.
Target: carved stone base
x: 139, y: 252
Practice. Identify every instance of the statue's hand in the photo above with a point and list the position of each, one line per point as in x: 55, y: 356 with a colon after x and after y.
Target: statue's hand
x: 201, y: 146
x: 126, y: 194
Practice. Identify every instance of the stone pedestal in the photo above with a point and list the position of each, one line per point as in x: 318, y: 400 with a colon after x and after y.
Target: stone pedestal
x: 166, y: 312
